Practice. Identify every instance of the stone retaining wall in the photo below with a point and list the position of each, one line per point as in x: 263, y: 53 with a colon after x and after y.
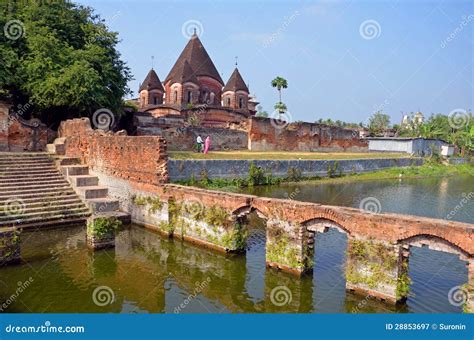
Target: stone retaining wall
x: 227, y: 169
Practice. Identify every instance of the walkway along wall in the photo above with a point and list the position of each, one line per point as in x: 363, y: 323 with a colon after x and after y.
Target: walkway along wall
x: 378, y: 244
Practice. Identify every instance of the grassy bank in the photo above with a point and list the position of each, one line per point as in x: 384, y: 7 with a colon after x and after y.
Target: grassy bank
x: 258, y: 176
x: 280, y: 155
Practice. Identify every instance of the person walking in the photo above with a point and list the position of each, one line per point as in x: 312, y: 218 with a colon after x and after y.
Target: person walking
x: 207, y: 144
x: 199, y: 143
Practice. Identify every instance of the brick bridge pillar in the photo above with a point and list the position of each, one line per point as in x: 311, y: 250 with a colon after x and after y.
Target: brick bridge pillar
x: 378, y: 269
x: 287, y: 247
x: 469, y: 306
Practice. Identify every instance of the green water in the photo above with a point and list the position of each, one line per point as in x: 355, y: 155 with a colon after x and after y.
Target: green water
x: 149, y: 273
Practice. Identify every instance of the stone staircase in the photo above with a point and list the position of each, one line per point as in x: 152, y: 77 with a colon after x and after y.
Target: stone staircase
x: 85, y: 185
x: 34, y: 194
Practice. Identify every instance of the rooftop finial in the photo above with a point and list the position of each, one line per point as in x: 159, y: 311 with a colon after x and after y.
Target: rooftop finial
x: 236, y: 63
x: 152, y: 57
x: 195, y: 31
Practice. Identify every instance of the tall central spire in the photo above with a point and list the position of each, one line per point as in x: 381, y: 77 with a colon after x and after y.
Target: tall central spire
x: 196, y: 55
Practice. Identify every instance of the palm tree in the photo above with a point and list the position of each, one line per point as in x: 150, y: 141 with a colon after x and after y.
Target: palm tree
x: 279, y: 83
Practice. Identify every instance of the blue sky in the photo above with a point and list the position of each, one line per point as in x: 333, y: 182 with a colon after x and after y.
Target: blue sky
x: 342, y: 59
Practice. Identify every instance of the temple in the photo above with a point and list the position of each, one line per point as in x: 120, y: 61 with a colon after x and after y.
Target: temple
x: 195, y: 86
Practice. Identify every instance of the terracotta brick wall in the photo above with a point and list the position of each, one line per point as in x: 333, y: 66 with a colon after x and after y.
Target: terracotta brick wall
x: 17, y: 137
x: 138, y: 159
x: 266, y: 136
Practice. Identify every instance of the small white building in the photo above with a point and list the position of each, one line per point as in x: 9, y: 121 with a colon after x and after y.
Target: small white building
x: 409, y: 145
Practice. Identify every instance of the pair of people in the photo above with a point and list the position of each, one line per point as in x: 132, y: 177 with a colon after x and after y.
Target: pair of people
x: 207, y: 144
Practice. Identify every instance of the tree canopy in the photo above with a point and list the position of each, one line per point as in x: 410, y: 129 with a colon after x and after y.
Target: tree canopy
x: 60, y: 58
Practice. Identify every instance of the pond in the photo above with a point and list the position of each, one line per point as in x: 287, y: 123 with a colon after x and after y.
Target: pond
x: 147, y: 273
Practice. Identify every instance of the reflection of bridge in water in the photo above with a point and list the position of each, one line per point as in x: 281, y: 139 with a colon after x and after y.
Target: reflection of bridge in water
x: 151, y: 273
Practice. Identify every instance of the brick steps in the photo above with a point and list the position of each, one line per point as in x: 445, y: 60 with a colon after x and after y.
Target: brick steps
x: 34, y: 194
x: 86, y: 186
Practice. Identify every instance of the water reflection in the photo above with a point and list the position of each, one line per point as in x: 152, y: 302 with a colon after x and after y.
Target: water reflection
x: 148, y: 273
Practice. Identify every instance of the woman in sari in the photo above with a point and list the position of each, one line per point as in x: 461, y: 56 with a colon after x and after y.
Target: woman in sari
x: 207, y: 144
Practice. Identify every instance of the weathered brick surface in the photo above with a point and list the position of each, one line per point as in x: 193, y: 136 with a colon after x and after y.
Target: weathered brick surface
x: 15, y: 136
x: 138, y: 159
x: 265, y: 135
x: 394, y: 228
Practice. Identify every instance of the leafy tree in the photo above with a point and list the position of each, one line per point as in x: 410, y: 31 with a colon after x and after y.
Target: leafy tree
x: 280, y: 107
x: 279, y: 83
x: 378, y: 123
x: 65, y: 61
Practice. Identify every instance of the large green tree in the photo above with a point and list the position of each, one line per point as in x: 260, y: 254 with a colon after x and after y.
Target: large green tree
x: 60, y: 58
x: 378, y: 123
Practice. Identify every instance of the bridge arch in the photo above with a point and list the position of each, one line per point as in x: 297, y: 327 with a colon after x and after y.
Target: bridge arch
x: 435, y: 243
x: 245, y: 210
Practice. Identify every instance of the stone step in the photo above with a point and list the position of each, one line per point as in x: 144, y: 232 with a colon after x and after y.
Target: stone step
x: 26, y: 172
x: 26, y: 163
x: 25, y: 193
x: 57, y: 149
x: 27, y: 210
x: 46, y: 203
x: 103, y: 204
x: 122, y: 216
x: 42, y: 197
x: 63, y: 160
x: 23, y: 214
x: 96, y: 191
x: 83, y: 180
x: 54, y: 223
x: 33, y: 188
x: 18, y: 183
x: 60, y: 218
x: 27, y: 159
x: 14, y: 169
x: 74, y: 170
x: 7, y: 179
x: 60, y: 140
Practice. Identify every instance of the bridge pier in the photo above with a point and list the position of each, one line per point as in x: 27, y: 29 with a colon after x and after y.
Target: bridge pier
x: 101, y: 231
x: 9, y: 246
x: 287, y: 247
x: 469, y: 306
x: 378, y: 269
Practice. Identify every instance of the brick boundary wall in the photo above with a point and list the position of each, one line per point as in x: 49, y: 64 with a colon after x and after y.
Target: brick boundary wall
x: 266, y: 134
x: 139, y: 159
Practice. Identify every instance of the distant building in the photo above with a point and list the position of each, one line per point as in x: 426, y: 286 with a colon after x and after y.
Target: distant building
x: 194, y: 83
x: 412, y: 146
x: 410, y: 122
